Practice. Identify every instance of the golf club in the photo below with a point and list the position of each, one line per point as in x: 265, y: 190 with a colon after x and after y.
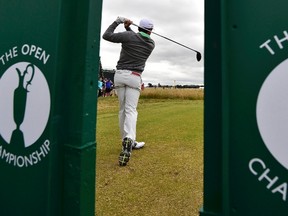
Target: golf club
x: 198, y: 54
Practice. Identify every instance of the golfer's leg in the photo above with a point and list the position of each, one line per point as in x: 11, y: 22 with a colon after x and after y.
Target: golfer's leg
x: 119, y: 80
x: 131, y: 114
x: 121, y: 98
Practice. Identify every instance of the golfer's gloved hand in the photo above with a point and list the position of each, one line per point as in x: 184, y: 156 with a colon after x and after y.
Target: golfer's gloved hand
x: 120, y: 20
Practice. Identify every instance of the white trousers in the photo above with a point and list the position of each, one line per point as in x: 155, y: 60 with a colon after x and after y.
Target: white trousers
x: 128, y: 87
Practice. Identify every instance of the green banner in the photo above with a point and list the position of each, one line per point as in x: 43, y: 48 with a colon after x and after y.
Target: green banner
x: 251, y: 42
x: 49, y: 59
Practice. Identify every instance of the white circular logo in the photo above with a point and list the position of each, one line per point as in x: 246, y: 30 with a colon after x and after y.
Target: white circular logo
x: 272, y: 113
x: 24, y: 103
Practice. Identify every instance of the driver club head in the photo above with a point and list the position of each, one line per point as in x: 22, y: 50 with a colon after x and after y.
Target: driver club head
x: 198, y: 56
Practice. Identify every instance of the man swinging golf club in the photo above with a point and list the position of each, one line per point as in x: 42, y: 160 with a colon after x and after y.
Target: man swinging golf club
x: 136, y: 48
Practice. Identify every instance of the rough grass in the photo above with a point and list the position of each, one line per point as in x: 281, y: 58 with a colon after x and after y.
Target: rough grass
x: 163, y: 178
x: 172, y: 93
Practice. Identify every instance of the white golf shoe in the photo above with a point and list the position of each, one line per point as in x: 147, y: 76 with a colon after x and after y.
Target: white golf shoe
x: 138, y: 145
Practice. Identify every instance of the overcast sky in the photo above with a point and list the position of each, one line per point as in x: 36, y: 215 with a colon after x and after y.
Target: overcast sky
x: 180, y: 20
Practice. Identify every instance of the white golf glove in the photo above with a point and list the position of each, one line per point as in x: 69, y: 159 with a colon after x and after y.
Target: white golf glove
x: 120, y: 20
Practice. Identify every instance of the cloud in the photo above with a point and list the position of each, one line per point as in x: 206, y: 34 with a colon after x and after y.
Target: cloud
x: 179, y: 20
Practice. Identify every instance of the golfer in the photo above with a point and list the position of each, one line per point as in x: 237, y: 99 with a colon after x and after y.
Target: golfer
x: 136, y: 48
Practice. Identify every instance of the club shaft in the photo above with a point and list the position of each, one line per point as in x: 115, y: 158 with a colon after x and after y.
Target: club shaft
x: 167, y: 38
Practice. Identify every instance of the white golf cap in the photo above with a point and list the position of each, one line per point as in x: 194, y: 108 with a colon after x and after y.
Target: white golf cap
x: 146, y: 23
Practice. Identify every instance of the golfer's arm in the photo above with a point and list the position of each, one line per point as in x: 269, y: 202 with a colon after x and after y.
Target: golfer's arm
x: 120, y: 37
x: 109, y: 34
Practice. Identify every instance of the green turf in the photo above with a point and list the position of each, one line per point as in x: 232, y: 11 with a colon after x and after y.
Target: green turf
x: 163, y: 178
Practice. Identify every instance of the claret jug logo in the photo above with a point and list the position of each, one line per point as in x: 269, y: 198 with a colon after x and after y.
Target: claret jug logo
x: 24, y: 107
x: 272, y: 103
x: 272, y: 120
x: 272, y: 113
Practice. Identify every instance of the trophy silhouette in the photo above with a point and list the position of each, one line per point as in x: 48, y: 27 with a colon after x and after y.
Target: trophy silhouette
x: 19, y: 106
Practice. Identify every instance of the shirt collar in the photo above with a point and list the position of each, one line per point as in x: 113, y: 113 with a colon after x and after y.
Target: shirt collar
x: 144, y: 34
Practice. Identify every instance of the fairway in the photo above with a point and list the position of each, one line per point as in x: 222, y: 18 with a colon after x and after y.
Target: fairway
x: 163, y: 178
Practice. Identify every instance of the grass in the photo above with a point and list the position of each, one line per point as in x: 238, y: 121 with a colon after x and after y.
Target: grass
x: 172, y: 93
x: 163, y: 178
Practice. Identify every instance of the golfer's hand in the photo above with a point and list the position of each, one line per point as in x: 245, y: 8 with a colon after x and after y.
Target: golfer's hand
x: 120, y: 20
x: 127, y: 23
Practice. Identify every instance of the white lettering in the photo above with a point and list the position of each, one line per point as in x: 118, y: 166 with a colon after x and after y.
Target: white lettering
x: 281, y: 189
x: 32, y: 49
x: 36, y: 52
x: 28, y: 160
x: 266, y: 45
x: 5, y: 155
x: 259, y: 168
x: 253, y: 161
x: 44, y: 57
x: 279, y: 41
x: 35, y: 159
x: 47, y: 144
x: 39, y: 154
x: 25, y: 49
x: 11, y: 157
x: 25, y: 160
x: 265, y: 176
x: 20, y: 161
x: 2, y: 60
x: 9, y: 55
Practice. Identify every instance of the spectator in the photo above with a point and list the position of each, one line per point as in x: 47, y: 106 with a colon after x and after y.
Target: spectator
x: 100, y: 87
x: 108, y: 87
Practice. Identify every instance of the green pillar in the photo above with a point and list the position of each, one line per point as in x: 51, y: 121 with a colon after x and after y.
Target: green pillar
x: 81, y: 80
x: 49, y: 59
x: 212, y: 110
x: 245, y: 152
